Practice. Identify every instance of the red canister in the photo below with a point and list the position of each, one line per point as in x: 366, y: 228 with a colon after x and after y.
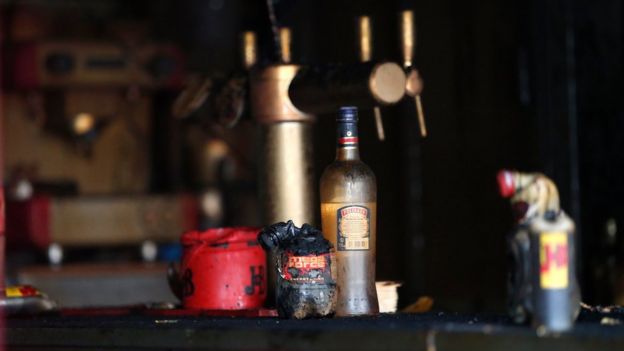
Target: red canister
x: 223, y: 269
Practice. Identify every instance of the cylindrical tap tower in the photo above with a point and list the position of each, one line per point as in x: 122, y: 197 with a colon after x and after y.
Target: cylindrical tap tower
x: 286, y: 148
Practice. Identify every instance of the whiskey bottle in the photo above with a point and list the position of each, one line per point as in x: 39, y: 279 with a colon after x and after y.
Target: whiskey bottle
x: 348, y: 216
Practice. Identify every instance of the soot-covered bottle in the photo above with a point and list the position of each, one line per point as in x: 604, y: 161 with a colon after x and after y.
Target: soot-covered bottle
x: 348, y: 214
x: 306, y: 287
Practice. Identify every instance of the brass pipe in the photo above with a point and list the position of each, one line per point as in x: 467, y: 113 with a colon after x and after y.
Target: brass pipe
x: 287, y: 176
x: 270, y: 101
x: 323, y: 89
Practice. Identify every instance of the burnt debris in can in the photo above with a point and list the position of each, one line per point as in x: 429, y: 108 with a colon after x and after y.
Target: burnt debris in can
x: 306, y: 287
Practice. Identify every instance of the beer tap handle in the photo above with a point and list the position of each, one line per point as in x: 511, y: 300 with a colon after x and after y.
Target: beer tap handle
x: 381, y: 135
x: 421, y: 116
x: 414, y: 83
x: 408, y: 37
x: 365, y: 40
x: 250, y: 49
x: 285, y: 40
x: 413, y: 88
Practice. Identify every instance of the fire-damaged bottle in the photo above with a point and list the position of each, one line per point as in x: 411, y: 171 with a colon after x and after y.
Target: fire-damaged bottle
x: 305, y: 281
x: 543, y: 284
x: 348, y: 214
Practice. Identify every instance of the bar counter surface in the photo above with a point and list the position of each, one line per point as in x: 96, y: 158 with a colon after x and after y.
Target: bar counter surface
x: 429, y: 331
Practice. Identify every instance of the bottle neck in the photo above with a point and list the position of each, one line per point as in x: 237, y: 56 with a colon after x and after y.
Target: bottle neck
x: 347, y: 142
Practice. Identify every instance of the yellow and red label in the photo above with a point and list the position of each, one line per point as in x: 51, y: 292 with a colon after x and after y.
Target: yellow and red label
x: 20, y: 291
x: 553, y: 260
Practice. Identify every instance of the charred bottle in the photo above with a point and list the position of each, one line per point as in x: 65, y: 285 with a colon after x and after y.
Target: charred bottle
x: 348, y: 214
x: 306, y: 287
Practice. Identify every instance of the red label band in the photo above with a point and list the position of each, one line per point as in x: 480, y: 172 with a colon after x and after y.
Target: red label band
x: 348, y: 140
x: 310, y: 268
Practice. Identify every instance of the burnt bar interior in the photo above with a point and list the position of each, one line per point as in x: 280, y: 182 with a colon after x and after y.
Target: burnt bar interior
x: 458, y: 162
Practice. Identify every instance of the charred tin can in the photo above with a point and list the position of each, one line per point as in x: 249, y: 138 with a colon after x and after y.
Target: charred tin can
x: 306, y: 285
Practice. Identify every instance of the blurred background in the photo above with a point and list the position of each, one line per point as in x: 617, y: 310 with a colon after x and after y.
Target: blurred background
x: 102, y: 172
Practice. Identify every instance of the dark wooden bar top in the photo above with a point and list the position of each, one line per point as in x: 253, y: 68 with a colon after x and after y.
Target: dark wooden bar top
x: 434, y: 331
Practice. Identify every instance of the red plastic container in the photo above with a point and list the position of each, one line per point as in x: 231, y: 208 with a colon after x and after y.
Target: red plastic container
x: 223, y: 269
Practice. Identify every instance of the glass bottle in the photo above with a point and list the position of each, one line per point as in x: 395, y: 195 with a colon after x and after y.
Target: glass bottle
x: 349, y: 217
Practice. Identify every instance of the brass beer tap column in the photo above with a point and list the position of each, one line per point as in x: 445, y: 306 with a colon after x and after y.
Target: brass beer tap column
x: 286, y: 152
x: 286, y: 143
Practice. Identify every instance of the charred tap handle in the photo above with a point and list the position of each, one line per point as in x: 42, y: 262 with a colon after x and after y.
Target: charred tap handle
x: 414, y: 83
x: 366, y: 52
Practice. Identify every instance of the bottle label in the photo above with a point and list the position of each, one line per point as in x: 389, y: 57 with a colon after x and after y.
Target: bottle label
x: 553, y: 256
x: 306, y: 269
x: 353, y: 228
